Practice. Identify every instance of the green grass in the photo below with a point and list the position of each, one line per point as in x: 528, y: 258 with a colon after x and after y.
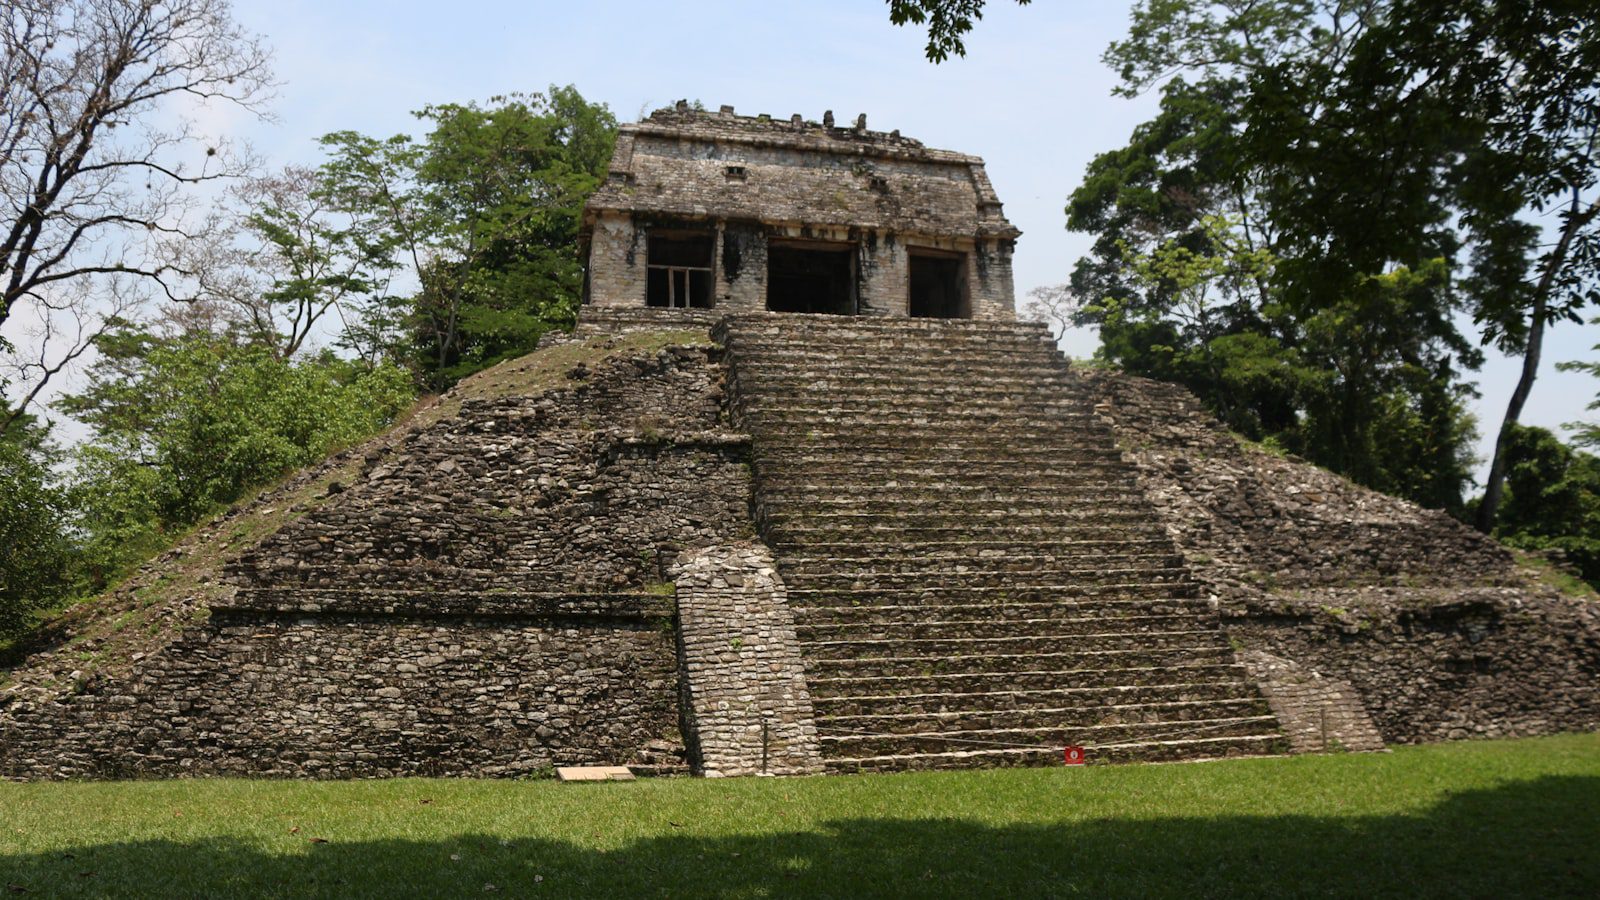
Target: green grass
x: 1469, y: 819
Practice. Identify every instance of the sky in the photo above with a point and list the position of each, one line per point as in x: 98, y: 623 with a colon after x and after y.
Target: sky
x: 1031, y: 97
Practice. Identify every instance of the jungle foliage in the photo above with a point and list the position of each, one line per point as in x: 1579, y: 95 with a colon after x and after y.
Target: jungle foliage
x: 1326, y: 187
x: 478, y: 222
x: 1552, y: 500
x: 188, y: 423
x: 36, y: 553
x: 319, y: 302
x: 1393, y: 159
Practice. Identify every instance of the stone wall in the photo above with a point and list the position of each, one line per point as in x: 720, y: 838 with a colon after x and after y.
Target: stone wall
x: 1436, y: 628
x: 574, y: 490
x: 618, y: 254
x: 741, y: 268
x: 1319, y: 714
x: 747, y: 710
x: 748, y: 179
x: 992, y: 287
x: 489, y: 594
x: 486, y: 599
x: 616, y: 274
x: 372, y: 692
x: 1436, y: 664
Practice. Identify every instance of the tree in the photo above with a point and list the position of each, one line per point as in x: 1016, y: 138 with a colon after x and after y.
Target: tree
x: 277, y: 258
x: 186, y: 423
x: 36, y: 552
x: 484, y: 215
x: 88, y: 174
x: 1552, y: 500
x: 1186, y: 282
x: 1585, y: 434
x: 1390, y: 133
x: 948, y: 22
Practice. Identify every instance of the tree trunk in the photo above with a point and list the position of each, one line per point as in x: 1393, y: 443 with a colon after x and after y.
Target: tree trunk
x: 1494, y: 489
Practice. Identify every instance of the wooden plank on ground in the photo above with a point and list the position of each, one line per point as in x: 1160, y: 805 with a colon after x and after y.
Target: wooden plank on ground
x: 594, y: 773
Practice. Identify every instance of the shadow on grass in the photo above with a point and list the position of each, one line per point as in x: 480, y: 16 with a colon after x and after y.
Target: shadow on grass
x: 1533, y: 838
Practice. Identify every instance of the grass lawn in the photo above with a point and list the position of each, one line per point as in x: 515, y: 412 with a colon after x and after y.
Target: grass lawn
x: 1469, y: 819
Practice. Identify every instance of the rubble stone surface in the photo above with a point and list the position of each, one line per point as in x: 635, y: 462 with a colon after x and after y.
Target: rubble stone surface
x: 900, y: 543
x: 1439, y: 631
x: 489, y: 599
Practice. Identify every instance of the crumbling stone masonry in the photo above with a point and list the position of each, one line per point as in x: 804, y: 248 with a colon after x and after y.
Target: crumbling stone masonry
x: 486, y: 599
x: 745, y: 702
x: 978, y: 554
x: 751, y: 213
x: 1436, y: 628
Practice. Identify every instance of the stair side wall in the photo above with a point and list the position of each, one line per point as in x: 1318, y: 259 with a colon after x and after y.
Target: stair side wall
x: 747, y: 710
x: 1436, y: 628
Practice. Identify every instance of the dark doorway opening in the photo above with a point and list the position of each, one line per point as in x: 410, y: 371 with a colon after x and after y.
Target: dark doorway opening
x: 678, y: 270
x: 811, y: 278
x: 938, y: 287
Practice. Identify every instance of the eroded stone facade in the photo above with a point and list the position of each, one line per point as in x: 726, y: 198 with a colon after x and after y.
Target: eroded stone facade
x: 1436, y: 629
x: 744, y: 189
x: 1019, y: 552
x: 488, y: 598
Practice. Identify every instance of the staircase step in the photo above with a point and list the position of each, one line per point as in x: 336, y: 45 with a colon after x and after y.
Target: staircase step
x: 1022, y: 661
x: 918, y: 722
x: 863, y: 387
x: 1077, y: 578
x: 995, y: 627
x: 858, y: 745
x: 960, y: 565
x: 1007, y: 757
x: 944, y: 410
x: 864, y: 431
x: 971, y: 561
x: 981, y: 546
x: 810, y: 353
x: 801, y: 596
x: 887, y: 452
x: 1007, y: 610
x: 807, y: 533
x: 966, y: 519
x: 1029, y: 643
x: 762, y: 321
x: 865, y: 382
x: 1060, y: 697
x: 883, y: 506
x: 1095, y: 677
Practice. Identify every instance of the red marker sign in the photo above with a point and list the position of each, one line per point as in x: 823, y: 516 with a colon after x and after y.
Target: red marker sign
x: 1073, y: 756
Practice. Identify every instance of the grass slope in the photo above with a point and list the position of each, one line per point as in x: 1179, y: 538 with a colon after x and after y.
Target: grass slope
x: 108, y: 633
x: 1476, y: 819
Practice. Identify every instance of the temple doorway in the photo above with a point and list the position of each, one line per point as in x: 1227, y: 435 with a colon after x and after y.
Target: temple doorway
x: 938, y: 286
x: 811, y: 277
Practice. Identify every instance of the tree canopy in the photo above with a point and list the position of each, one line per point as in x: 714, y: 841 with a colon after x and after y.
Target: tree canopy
x: 1387, y: 133
x: 94, y: 186
x: 1552, y: 500
x: 186, y: 423
x: 483, y: 215
x: 1326, y: 185
x: 948, y: 21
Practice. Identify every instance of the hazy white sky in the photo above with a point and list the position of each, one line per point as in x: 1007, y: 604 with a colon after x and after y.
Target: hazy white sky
x: 1031, y: 97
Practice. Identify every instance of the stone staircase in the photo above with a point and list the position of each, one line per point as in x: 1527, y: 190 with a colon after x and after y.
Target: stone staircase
x: 975, y: 576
